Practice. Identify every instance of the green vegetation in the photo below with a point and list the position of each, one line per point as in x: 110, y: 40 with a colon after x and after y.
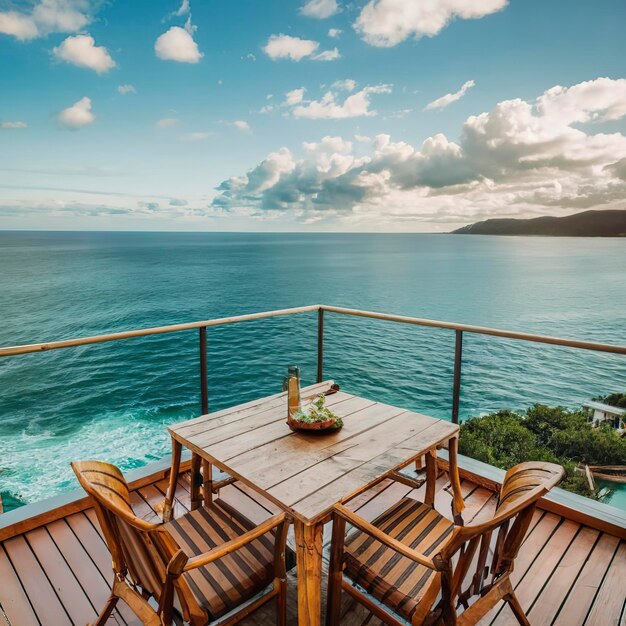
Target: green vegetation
x: 543, y: 433
x: 614, y: 399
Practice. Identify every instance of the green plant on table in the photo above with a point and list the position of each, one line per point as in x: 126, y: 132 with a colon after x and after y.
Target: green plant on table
x: 318, y: 412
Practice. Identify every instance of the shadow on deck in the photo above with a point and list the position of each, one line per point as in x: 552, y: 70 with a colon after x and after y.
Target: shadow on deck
x: 58, y: 574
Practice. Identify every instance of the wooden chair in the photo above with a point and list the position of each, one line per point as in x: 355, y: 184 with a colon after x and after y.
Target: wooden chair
x: 425, y: 569
x: 203, y: 565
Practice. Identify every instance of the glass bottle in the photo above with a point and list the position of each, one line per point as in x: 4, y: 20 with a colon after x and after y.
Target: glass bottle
x: 293, y: 390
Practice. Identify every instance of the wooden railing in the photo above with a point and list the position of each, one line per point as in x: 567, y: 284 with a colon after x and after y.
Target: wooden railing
x: 459, y: 330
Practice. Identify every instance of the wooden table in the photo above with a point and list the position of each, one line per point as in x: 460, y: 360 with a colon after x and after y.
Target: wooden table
x: 306, y: 474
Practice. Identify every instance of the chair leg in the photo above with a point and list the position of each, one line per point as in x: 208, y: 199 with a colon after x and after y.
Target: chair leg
x: 516, y: 607
x: 137, y: 603
x: 106, y: 611
x: 281, y: 603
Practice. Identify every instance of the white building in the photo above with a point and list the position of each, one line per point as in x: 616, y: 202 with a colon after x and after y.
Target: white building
x: 607, y: 413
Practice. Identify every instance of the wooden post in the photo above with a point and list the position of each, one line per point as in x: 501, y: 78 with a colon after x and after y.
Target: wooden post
x: 456, y: 384
x: 320, y: 345
x: 204, y: 375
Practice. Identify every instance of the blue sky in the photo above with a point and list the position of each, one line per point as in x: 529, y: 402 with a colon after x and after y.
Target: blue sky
x: 377, y: 133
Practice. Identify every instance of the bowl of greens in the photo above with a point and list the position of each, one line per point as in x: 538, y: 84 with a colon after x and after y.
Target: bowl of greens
x: 316, y: 417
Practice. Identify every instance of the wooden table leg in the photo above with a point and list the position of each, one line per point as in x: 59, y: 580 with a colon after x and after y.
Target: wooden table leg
x: 207, y: 482
x: 431, y: 477
x: 309, y: 557
x: 453, y: 468
x: 168, y: 504
x: 196, y: 481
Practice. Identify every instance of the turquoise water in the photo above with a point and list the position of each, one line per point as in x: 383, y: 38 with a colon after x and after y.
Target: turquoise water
x: 114, y: 400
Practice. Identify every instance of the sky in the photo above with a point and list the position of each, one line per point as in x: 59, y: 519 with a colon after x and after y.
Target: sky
x: 308, y: 115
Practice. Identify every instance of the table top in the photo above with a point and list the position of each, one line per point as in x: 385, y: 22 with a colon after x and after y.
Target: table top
x: 306, y: 473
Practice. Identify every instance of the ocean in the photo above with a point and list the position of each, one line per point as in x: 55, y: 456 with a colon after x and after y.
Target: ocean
x: 113, y: 401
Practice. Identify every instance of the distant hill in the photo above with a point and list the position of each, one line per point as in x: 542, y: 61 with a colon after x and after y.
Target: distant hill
x: 609, y: 223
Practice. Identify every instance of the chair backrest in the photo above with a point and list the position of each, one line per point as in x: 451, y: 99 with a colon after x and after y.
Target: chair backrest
x: 479, y: 555
x: 135, y: 548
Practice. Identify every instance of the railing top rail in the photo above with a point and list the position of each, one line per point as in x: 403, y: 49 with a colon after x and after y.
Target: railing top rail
x: 481, y: 330
x: 157, y: 330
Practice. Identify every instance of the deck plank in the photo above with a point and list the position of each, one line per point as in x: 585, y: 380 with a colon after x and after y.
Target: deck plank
x: 42, y: 596
x: 70, y: 593
x: 530, y: 585
x: 94, y: 583
x: 13, y: 598
x: 610, y: 603
x: 535, y: 541
x: 551, y: 597
x: 85, y: 527
x: 584, y: 589
x: 244, y: 503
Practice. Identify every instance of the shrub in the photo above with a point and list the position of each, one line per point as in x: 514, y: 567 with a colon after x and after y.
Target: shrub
x: 505, y: 438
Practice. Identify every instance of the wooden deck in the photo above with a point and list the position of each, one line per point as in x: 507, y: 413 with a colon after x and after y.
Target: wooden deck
x: 566, y: 574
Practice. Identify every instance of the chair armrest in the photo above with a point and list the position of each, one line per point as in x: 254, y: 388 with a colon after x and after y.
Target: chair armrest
x: 234, y: 544
x: 371, y: 530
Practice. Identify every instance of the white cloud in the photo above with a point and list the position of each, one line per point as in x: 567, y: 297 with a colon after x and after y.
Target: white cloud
x: 77, y: 116
x: 388, y: 22
x: 241, y: 125
x: 346, y: 85
x: 13, y: 124
x: 295, y: 96
x: 167, y: 122
x: 449, y: 98
x: 320, y: 9
x: 333, y: 33
x: 288, y: 47
x: 519, y: 159
x: 196, y: 136
x: 149, y: 206
x: 177, y: 44
x: 399, y: 114
x: 327, y: 55
x: 295, y: 49
x: 126, y: 89
x: 183, y: 9
x: 178, y: 202
x: 329, y: 107
x: 597, y: 100
x: 81, y: 50
x: 45, y: 17
x: 20, y: 26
